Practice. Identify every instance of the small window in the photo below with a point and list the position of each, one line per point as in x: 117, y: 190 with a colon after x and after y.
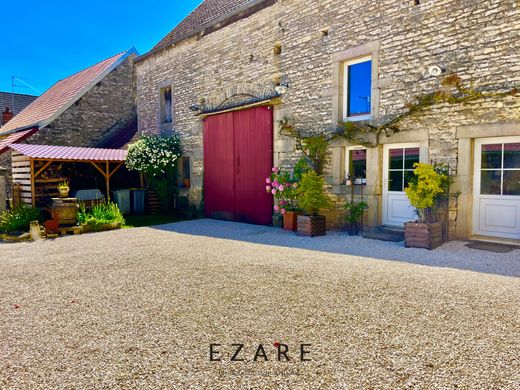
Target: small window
x: 356, y: 165
x: 166, y: 105
x: 358, y: 89
x: 185, y: 172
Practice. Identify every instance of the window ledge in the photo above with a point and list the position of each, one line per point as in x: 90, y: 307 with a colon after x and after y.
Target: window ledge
x: 358, y: 118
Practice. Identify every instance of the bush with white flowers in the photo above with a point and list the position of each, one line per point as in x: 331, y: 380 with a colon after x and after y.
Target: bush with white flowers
x: 153, y: 155
x: 156, y: 157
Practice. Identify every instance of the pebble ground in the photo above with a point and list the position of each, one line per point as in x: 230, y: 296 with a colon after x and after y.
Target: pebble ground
x: 138, y: 308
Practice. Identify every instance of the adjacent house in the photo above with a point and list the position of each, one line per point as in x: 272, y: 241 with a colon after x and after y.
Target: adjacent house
x: 92, y: 108
x: 11, y: 104
x: 228, y: 73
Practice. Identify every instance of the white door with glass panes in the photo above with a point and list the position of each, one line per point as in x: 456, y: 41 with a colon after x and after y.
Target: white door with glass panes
x: 496, y: 206
x: 398, y: 166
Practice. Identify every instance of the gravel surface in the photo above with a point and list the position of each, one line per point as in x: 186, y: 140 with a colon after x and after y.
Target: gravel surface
x: 138, y: 308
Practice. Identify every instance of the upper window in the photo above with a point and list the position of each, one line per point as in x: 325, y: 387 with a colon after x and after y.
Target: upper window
x: 358, y: 89
x: 166, y: 105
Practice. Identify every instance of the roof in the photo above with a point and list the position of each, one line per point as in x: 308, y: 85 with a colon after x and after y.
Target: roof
x: 121, y: 137
x: 62, y: 95
x: 15, y: 137
x: 207, y: 14
x: 69, y: 153
x: 20, y: 101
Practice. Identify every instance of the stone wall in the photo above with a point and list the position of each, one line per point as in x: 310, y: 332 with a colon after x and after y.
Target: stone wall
x: 108, y: 104
x: 477, y: 40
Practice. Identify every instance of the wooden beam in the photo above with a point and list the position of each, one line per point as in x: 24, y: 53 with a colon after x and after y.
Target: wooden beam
x: 33, y: 189
x: 98, y: 168
x: 115, y: 169
x: 42, y: 169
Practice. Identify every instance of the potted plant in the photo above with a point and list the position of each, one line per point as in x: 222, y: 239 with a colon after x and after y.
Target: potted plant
x: 282, y: 185
x: 425, y: 191
x: 63, y: 189
x: 312, y: 198
x: 354, y: 214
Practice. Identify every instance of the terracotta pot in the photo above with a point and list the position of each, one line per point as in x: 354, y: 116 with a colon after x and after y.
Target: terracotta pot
x: 422, y: 235
x: 311, y: 225
x: 290, y: 221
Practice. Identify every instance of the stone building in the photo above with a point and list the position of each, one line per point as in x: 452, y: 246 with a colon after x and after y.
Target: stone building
x: 360, y: 62
x: 13, y: 103
x: 92, y: 108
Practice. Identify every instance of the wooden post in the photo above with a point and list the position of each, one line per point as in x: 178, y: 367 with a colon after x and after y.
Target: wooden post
x: 33, y: 189
x: 107, y: 178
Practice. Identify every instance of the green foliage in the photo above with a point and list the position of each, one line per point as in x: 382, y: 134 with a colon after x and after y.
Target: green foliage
x: 314, y: 148
x: 426, y: 189
x: 355, y: 211
x: 99, y: 214
x: 311, y: 194
x: 157, y: 156
x: 18, y: 219
x: 64, y: 185
x: 301, y: 167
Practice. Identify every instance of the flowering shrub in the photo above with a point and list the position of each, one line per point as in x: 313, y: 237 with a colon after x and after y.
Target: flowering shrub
x: 425, y: 190
x: 282, y: 185
x: 157, y: 156
x: 153, y: 155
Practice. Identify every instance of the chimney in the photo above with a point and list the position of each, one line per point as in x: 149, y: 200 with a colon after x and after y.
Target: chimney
x: 6, y: 116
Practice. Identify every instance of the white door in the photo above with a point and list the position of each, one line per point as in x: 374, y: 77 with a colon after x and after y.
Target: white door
x: 398, y: 166
x: 496, y: 207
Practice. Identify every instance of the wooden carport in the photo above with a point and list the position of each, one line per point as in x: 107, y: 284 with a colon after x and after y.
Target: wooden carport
x: 24, y: 156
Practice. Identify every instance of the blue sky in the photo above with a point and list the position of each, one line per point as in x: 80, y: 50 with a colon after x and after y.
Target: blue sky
x: 45, y: 41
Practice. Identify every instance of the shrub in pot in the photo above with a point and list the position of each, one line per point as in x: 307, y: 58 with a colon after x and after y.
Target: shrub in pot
x: 425, y: 190
x: 282, y: 185
x: 63, y: 189
x: 312, y: 198
x: 355, y: 212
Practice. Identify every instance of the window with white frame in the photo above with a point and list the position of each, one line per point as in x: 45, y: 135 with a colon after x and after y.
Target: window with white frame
x: 356, y: 165
x: 357, y: 89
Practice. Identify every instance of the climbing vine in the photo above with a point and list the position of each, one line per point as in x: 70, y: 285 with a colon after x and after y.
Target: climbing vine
x: 452, y: 91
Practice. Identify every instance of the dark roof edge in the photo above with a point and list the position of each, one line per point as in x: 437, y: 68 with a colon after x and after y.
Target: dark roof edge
x: 226, y: 20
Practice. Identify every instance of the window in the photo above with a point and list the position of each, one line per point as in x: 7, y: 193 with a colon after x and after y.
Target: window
x: 166, y: 105
x: 357, y: 89
x: 185, y: 172
x: 500, y: 171
x: 356, y: 165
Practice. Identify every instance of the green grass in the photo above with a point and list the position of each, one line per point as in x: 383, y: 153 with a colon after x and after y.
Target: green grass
x: 148, y: 220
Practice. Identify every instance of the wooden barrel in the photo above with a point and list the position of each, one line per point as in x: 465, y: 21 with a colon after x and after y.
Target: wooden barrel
x: 64, y: 210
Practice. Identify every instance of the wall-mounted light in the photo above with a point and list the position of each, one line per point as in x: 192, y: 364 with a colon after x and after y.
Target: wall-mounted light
x: 282, y: 88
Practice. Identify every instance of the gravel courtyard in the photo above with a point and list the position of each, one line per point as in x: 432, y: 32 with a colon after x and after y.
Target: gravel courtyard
x: 138, y: 308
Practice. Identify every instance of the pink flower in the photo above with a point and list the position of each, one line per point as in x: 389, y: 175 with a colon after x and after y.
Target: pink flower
x: 273, y: 191
x: 276, y: 208
x: 283, y: 211
x: 268, y: 180
x: 281, y: 188
x: 275, y: 169
x: 268, y: 188
x: 275, y: 184
x: 283, y: 203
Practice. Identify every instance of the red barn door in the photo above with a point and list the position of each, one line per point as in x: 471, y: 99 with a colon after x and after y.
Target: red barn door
x: 238, y: 155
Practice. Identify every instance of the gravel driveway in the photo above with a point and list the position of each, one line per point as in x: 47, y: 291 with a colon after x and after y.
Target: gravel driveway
x: 138, y: 308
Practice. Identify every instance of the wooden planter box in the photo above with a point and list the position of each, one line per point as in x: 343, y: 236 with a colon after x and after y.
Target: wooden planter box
x: 290, y: 221
x: 311, y: 225
x: 422, y: 235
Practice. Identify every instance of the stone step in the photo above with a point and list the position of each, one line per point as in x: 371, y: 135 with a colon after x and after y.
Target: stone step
x: 384, y: 233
